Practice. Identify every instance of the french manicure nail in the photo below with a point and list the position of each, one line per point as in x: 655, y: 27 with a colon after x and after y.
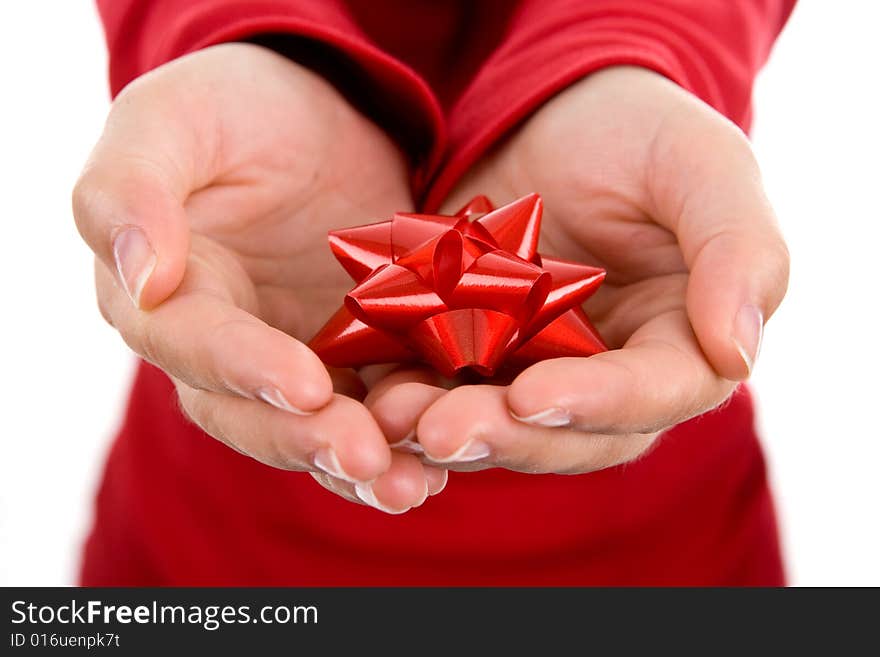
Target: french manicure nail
x: 423, y: 498
x: 551, y: 417
x: 273, y: 397
x: 135, y: 261
x: 325, y: 459
x: 748, y: 329
x: 367, y: 496
x: 444, y: 479
x: 408, y: 444
x: 472, y: 450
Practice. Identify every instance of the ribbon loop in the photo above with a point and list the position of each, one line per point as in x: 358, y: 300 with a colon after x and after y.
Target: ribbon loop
x: 467, y: 337
x: 393, y: 298
x: 463, y: 291
x: 501, y: 281
x: 362, y: 249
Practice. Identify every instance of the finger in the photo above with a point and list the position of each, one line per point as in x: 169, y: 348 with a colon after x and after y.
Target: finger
x: 341, y: 440
x: 379, y: 384
x: 470, y: 428
x: 712, y: 197
x: 347, y: 382
x: 128, y: 201
x: 622, y: 310
x: 658, y: 379
x: 337, y: 486
x: 399, y: 399
x: 437, y: 478
x: 401, y: 488
x: 202, y: 338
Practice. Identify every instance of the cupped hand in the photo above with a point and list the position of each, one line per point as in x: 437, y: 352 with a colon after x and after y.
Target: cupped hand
x: 207, y: 202
x: 645, y: 180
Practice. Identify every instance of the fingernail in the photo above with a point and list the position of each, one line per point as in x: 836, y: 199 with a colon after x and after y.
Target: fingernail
x: 748, y: 329
x: 273, y: 397
x: 441, y: 478
x: 423, y: 497
x: 135, y: 261
x: 325, y: 459
x: 472, y: 450
x: 367, y: 496
x: 408, y: 445
x: 551, y: 417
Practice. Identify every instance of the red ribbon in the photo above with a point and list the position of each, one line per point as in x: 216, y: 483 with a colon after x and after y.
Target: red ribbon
x: 462, y: 291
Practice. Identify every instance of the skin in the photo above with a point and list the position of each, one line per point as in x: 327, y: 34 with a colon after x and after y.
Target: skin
x: 663, y: 192
x: 231, y: 164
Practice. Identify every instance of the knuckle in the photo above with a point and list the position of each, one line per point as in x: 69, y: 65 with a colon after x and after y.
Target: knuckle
x: 141, y: 332
x: 183, y: 351
x: 132, y: 337
x: 85, y: 199
x: 781, y: 259
x: 104, y: 292
x: 690, y: 394
x: 217, y: 339
x: 104, y: 310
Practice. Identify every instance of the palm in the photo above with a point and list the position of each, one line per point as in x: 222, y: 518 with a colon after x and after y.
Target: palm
x: 292, y: 161
x: 591, y: 167
x: 640, y: 178
x: 208, y: 200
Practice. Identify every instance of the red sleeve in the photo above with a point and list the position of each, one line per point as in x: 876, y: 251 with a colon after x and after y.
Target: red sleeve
x: 713, y: 48
x: 143, y: 34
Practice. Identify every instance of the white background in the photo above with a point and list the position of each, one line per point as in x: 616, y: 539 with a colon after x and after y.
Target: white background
x: 64, y: 374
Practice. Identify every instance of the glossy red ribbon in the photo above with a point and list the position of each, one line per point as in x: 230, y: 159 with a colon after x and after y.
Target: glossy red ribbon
x: 455, y: 292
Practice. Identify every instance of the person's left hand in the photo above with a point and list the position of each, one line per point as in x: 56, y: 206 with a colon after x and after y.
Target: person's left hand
x: 643, y: 179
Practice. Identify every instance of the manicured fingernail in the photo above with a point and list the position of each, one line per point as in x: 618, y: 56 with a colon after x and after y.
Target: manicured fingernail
x: 436, y: 479
x: 273, y: 397
x: 408, y: 445
x: 135, y: 261
x: 367, y: 496
x: 325, y: 459
x: 551, y: 417
x: 472, y: 450
x: 423, y: 497
x: 748, y: 329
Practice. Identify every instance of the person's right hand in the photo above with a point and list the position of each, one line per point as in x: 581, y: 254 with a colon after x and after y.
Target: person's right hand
x: 207, y: 202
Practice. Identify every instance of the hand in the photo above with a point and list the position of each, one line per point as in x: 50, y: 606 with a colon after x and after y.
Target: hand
x: 643, y: 179
x: 207, y: 202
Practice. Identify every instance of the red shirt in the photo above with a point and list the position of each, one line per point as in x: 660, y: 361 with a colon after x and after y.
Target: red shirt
x: 447, y: 80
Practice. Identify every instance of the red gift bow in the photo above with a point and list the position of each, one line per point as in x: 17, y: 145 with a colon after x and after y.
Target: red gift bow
x: 458, y: 292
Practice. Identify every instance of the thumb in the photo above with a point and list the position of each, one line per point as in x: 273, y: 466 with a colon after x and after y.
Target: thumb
x: 712, y: 198
x: 128, y: 201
